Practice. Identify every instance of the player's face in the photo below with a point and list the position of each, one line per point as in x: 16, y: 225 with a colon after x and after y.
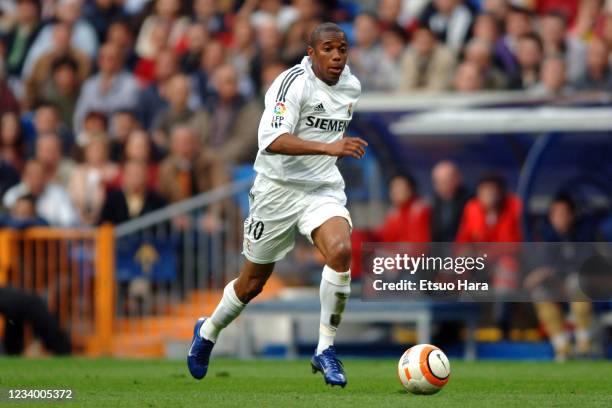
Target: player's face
x: 329, y: 56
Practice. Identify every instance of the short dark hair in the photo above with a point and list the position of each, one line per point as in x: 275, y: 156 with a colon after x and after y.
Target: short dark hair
x: 493, y: 178
x: 564, y: 198
x: 65, y: 61
x: 322, y: 28
x: 533, y: 37
x: 408, y: 178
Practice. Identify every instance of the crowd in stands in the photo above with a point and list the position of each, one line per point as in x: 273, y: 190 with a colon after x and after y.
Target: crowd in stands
x: 113, y: 108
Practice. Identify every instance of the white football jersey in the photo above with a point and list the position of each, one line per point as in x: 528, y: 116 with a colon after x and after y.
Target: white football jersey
x: 301, y: 104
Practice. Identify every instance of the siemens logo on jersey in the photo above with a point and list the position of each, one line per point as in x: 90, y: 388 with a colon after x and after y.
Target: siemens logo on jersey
x: 327, y: 124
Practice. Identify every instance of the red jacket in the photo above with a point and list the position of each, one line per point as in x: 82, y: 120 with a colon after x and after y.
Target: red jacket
x: 474, y: 228
x: 408, y: 223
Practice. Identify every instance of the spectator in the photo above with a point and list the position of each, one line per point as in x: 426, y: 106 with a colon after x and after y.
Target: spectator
x: 122, y: 124
x: 90, y: 180
x: 167, y: 13
x: 178, y: 112
x: 390, y: 66
x: 242, y: 54
x: 450, y: 21
x: 23, y: 214
x: 12, y: 143
x: 206, y: 14
x: 389, y: 13
x: 556, y: 41
x: 62, y: 89
x: 486, y: 28
x: 83, y: 36
x: 269, y: 46
x: 479, y: 52
x: 42, y: 69
x: 52, y: 201
x: 20, y: 39
x: 517, y: 23
x: 212, y: 57
x: 101, y: 13
x: 150, y: 100
x: 407, y: 220
x: 120, y: 34
x: 597, y: 76
x: 366, y: 54
x: 134, y: 199
x: 56, y: 167
x: 492, y: 216
x: 47, y: 120
x: 196, y: 39
x: 552, y: 79
x: 181, y: 174
x: 427, y: 65
x: 144, y: 70
x: 450, y: 197
x: 263, y: 12
x: 529, y: 54
x: 95, y: 123
x: 138, y: 148
x: 228, y: 128
x: 564, y: 262
x: 468, y: 78
x: 297, y: 38
x: 109, y: 90
x: 268, y: 75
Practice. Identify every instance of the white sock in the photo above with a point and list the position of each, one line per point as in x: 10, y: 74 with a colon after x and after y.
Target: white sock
x: 227, y: 310
x: 334, y: 292
x: 560, y: 341
x: 582, y: 336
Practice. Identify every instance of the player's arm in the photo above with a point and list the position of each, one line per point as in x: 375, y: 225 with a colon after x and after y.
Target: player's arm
x: 292, y: 145
x: 278, y: 123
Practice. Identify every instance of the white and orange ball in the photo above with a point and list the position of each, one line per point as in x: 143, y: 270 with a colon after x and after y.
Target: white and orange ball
x: 423, y: 369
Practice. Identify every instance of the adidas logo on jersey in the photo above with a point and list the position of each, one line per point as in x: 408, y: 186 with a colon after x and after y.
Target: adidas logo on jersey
x: 319, y: 108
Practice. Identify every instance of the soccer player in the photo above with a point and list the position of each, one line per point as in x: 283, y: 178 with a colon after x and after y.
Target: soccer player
x: 298, y: 188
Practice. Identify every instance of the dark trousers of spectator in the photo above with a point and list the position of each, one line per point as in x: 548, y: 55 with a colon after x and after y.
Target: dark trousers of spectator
x: 18, y: 308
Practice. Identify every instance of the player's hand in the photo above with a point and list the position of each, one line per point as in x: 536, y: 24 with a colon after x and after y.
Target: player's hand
x: 347, y: 146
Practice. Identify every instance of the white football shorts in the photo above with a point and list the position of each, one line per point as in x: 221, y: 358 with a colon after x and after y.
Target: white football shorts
x: 277, y: 210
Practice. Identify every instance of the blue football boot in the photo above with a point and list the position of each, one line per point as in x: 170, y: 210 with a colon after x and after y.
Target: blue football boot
x: 199, y: 352
x: 330, y: 366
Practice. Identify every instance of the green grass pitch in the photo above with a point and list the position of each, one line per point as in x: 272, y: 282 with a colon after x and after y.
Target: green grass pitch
x: 277, y: 383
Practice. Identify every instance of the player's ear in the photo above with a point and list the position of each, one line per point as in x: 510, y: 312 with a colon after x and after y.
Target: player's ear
x: 310, y: 51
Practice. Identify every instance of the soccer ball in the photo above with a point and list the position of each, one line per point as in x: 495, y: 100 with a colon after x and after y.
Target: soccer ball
x: 423, y: 369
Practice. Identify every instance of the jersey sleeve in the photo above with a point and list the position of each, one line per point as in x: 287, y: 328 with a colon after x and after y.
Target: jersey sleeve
x: 282, y: 108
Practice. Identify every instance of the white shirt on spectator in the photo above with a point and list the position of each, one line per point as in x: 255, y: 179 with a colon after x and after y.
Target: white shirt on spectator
x: 83, y: 38
x: 53, y: 204
x: 122, y: 94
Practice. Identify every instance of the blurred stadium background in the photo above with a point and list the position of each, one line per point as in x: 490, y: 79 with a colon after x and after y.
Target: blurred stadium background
x: 128, y: 129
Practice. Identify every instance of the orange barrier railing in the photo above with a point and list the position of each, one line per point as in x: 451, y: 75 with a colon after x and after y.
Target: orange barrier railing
x: 73, y: 270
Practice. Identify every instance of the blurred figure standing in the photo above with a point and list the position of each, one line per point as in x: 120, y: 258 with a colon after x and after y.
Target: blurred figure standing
x: 449, y: 199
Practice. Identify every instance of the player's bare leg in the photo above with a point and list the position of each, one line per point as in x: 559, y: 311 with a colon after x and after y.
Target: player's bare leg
x: 236, y: 295
x: 333, y: 240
